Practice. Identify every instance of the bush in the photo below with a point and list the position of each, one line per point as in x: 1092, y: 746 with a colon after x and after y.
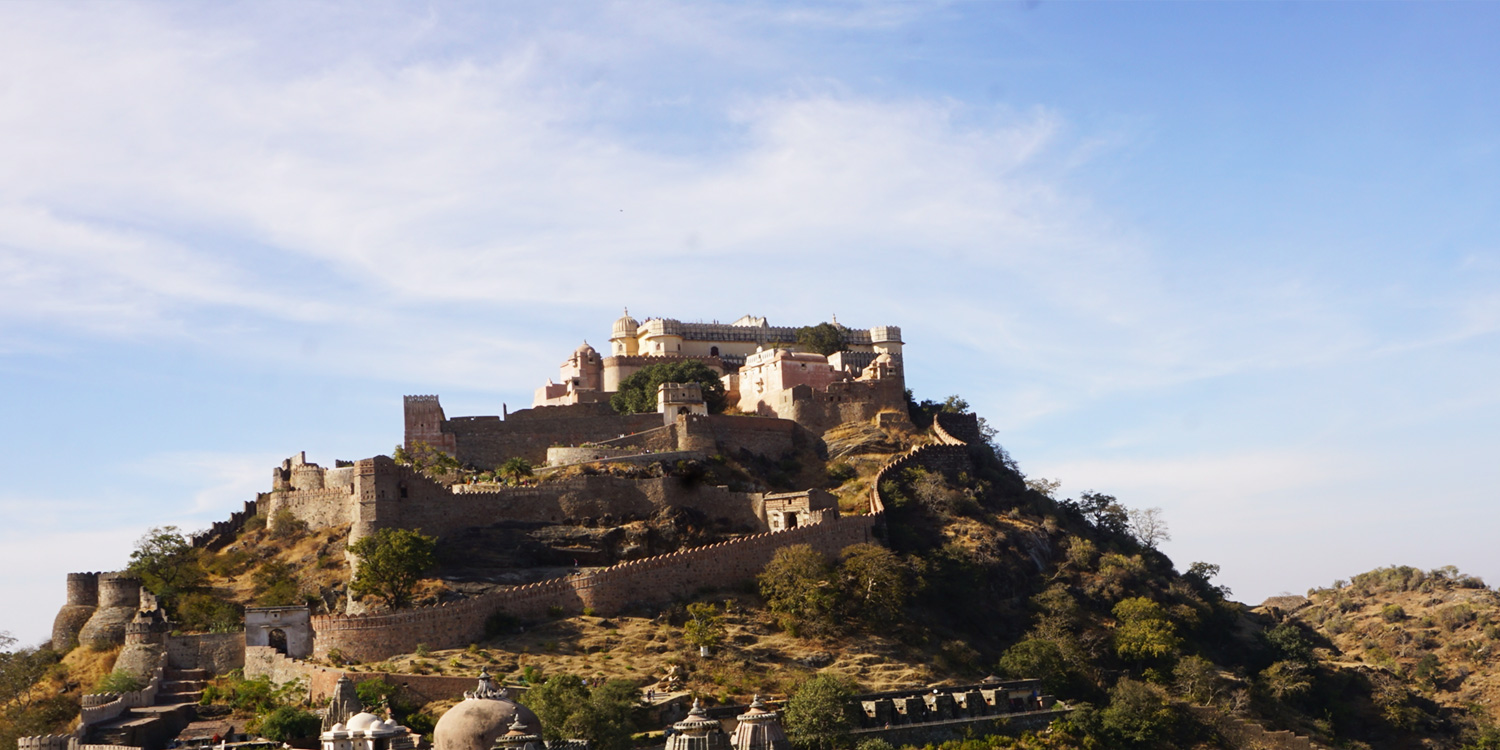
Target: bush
x: 288, y: 723
x: 500, y: 623
x: 818, y: 715
x: 1392, y: 613
x: 1138, y: 714
x: 118, y: 681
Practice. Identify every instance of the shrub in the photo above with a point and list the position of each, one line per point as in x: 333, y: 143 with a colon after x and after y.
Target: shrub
x: 1138, y: 714
x: 288, y: 723
x: 286, y: 525
x: 818, y: 715
x: 118, y: 681
x: 554, y: 611
x: 422, y: 650
x: 500, y: 623
x: 1392, y: 613
x: 841, y: 472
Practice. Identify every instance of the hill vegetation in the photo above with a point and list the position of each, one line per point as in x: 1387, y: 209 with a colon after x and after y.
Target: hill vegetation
x: 980, y: 572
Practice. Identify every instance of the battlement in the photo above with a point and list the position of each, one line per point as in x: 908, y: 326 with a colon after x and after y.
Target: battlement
x: 653, y: 580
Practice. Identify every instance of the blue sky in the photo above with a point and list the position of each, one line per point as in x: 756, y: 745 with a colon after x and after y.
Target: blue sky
x: 1240, y: 261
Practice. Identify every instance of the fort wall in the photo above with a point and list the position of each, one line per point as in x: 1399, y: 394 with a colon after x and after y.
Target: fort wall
x: 216, y: 652
x: 321, y: 681
x: 119, y: 597
x: 405, y: 498
x: 83, y: 599
x: 489, y: 442
x: 372, y: 637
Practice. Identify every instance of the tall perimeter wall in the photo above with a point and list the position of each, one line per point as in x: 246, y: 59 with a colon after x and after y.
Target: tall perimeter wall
x: 609, y: 591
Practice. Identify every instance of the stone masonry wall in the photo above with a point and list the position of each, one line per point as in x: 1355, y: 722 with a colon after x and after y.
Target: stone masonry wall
x: 379, y: 636
x: 486, y: 442
x: 319, y: 509
x: 407, y: 499
x: 216, y: 652
x: 321, y: 681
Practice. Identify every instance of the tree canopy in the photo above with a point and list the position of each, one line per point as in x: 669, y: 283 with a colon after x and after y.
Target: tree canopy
x: 391, y: 561
x: 637, y: 393
x: 567, y: 709
x: 166, y: 562
x: 823, y: 338
x: 818, y: 712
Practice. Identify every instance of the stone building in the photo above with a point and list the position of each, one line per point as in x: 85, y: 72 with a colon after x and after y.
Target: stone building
x: 697, y: 732
x: 366, y: 731
x: 743, y: 349
x: 759, y: 729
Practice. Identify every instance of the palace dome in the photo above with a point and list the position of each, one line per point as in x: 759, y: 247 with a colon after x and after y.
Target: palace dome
x: 625, y: 327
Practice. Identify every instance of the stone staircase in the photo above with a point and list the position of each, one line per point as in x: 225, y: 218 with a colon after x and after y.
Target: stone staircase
x: 153, y: 726
x: 1248, y: 735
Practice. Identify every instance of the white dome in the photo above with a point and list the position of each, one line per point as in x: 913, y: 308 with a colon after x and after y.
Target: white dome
x: 363, y: 721
x: 339, y: 727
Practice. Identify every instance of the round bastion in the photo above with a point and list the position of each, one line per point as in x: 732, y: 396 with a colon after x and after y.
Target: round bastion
x: 83, y: 599
x: 119, y: 597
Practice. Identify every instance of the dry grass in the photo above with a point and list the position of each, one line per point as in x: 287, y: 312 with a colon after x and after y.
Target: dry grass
x: 755, y: 657
x: 1458, y: 626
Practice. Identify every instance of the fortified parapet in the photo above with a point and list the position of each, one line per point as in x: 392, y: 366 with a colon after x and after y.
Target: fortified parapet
x: 119, y: 598
x: 83, y: 599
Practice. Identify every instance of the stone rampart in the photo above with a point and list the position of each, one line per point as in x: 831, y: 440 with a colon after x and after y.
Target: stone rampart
x: 101, y: 707
x: 319, y: 509
x: 404, y: 498
x: 83, y: 599
x: 119, y: 597
x: 764, y: 436
x: 654, y: 580
x: 216, y: 652
x: 848, y: 401
x: 321, y: 682
x: 221, y: 533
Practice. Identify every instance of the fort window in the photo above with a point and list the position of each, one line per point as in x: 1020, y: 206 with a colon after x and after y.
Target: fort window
x: 713, y: 351
x: 401, y: 490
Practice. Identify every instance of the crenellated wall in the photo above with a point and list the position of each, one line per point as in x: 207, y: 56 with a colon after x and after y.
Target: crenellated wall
x: 652, y: 581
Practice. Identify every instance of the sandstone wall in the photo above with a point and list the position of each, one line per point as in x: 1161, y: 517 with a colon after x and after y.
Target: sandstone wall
x: 319, y: 509
x: 407, y: 499
x: 486, y: 442
x: 216, y: 652
x: 321, y: 681
x: 651, y: 581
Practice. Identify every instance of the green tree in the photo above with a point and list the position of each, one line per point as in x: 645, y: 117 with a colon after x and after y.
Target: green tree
x: 799, y: 589
x: 705, y: 625
x: 166, y: 562
x: 514, y: 469
x: 823, y: 338
x: 391, y: 561
x: 637, y: 393
x: 567, y: 709
x: 288, y: 723
x: 1037, y: 658
x: 275, y: 584
x: 875, y: 583
x: 1138, y: 714
x: 818, y: 714
x: 1144, y: 633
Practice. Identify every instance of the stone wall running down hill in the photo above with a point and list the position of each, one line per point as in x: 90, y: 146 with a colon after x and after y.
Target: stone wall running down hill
x: 608, y: 591
x: 321, y: 681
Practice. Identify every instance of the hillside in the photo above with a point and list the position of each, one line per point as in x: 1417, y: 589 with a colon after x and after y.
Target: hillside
x: 981, y: 571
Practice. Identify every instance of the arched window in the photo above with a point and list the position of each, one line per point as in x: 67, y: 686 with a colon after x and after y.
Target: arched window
x: 713, y: 351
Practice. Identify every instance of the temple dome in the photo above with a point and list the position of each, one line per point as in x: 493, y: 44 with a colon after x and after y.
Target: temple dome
x: 363, y: 721
x: 483, y: 716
